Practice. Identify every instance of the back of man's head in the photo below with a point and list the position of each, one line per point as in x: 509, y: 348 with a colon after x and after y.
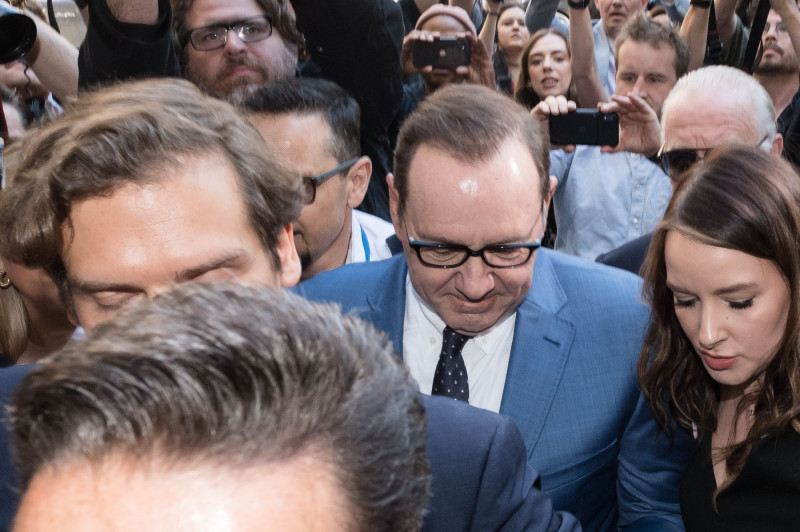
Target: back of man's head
x: 470, y: 123
x: 642, y: 28
x: 230, y: 380
x: 313, y: 95
x: 727, y: 91
x: 135, y: 133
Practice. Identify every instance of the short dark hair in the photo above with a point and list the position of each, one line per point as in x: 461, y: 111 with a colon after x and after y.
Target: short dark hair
x: 313, y: 95
x: 470, y: 122
x: 229, y: 375
x: 279, y: 11
x: 642, y: 28
x: 130, y: 133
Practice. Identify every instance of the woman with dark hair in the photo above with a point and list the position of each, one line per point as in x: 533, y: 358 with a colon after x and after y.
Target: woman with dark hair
x: 722, y: 353
x: 546, y: 68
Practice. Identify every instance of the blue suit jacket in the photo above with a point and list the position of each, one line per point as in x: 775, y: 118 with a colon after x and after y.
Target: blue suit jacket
x: 571, y: 385
x: 481, y: 480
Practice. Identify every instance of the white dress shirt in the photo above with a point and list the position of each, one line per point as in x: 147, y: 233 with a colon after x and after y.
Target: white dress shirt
x: 485, y: 356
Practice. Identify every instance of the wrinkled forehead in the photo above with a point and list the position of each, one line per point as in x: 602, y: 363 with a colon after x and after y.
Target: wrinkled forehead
x: 694, y: 120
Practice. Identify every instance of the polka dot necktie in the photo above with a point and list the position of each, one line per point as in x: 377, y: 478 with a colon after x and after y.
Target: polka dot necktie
x: 450, y: 378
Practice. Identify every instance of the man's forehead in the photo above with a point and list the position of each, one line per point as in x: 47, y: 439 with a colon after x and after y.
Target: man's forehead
x: 444, y: 185
x: 706, y: 122
x: 207, y: 12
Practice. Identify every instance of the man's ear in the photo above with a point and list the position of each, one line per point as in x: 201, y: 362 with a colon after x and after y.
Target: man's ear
x: 358, y: 177
x: 553, y: 185
x: 394, y: 206
x: 777, y: 144
x: 287, y: 255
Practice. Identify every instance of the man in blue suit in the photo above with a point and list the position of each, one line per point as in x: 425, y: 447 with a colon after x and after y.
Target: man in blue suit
x: 551, y: 341
x: 132, y: 230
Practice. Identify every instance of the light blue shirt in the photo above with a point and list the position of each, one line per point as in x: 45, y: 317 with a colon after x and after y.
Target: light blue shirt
x: 605, y: 199
x: 604, y: 58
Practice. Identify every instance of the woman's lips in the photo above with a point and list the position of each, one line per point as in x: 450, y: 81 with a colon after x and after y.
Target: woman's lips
x: 718, y: 362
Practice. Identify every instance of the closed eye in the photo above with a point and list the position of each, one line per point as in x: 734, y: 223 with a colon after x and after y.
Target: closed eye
x: 741, y: 305
x: 684, y: 303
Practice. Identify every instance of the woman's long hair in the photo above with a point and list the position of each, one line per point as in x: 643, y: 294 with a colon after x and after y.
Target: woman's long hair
x: 747, y: 200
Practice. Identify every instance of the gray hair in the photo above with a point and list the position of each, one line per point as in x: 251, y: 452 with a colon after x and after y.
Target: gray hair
x: 715, y: 79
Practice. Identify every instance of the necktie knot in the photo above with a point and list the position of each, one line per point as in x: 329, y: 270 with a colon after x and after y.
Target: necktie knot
x: 450, y: 378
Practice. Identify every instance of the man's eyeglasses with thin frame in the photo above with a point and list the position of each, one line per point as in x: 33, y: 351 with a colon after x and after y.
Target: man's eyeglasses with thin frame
x: 213, y: 37
x: 310, y: 184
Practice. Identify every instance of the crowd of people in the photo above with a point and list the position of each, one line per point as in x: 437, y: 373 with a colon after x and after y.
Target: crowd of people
x: 317, y: 265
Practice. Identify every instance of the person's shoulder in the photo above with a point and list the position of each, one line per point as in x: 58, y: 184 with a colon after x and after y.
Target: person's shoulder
x: 358, y: 277
x: 629, y: 256
x: 479, y: 424
x: 11, y: 376
x: 579, y: 269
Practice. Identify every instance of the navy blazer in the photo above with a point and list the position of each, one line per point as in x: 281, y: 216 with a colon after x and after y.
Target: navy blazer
x: 481, y: 480
x: 9, y: 496
x: 571, y: 386
x: 629, y: 256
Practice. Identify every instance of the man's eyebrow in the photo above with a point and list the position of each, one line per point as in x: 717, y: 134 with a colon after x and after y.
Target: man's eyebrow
x: 95, y: 287
x: 227, y: 259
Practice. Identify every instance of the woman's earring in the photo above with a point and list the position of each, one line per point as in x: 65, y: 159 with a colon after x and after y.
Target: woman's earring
x: 5, y: 282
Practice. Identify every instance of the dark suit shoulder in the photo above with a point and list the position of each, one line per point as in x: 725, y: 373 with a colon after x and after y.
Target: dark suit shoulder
x: 629, y: 256
x: 10, y: 378
x: 481, y: 479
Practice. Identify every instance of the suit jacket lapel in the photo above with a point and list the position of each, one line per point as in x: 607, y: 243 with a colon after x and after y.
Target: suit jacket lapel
x: 542, y: 342
x: 387, y: 307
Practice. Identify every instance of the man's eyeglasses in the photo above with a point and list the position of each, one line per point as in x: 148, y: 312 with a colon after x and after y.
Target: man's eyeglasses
x: 780, y: 27
x: 249, y: 30
x: 454, y: 255
x: 676, y: 162
x: 310, y: 184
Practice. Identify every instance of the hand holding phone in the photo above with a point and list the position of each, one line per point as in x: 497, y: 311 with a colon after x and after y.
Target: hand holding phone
x: 443, y: 52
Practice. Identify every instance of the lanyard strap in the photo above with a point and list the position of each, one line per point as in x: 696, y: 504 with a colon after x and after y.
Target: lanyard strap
x: 366, y: 245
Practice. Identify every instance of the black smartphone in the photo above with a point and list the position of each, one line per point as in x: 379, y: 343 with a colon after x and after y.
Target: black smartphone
x: 585, y: 126
x: 445, y: 52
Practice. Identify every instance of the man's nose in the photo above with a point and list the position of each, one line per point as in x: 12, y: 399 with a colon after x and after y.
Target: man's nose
x: 233, y: 44
x: 477, y: 277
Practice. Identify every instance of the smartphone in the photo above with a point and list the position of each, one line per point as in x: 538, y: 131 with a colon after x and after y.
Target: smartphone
x: 445, y: 52
x: 585, y: 126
